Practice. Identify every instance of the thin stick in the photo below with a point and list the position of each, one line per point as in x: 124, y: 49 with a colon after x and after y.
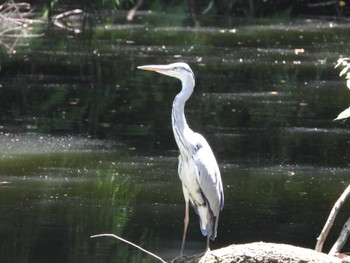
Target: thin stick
x: 343, y: 237
x: 68, y: 13
x: 56, y: 20
x: 130, y: 243
x: 331, y: 218
x: 132, y: 11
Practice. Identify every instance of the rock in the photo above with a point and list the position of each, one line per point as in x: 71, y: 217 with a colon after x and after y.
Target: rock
x: 261, y: 252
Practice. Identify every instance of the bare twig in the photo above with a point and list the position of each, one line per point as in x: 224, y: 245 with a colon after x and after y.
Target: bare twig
x: 14, y: 24
x: 331, y: 218
x: 324, y: 3
x: 57, y: 18
x: 133, y: 10
x: 208, y: 8
x: 18, y: 13
x: 343, y: 237
x: 68, y: 13
x: 130, y: 243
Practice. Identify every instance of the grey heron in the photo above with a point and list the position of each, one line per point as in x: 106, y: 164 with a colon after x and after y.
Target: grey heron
x: 198, y: 169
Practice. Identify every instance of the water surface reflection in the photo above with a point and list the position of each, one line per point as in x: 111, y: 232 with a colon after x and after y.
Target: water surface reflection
x: 51, y: 203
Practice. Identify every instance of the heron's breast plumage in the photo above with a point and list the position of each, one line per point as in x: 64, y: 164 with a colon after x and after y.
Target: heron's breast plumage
x: 188, y: 176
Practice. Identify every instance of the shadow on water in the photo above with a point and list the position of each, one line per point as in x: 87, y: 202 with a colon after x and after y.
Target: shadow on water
x: 86, y: 145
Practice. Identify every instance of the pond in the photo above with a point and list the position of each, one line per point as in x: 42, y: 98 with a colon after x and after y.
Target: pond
x: 87, y: 147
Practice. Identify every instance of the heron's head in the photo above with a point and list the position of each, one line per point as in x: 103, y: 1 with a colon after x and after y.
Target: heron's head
x: 178, y: 70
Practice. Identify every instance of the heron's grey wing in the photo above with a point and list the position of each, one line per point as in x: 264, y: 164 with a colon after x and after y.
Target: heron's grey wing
x: 208, y: 175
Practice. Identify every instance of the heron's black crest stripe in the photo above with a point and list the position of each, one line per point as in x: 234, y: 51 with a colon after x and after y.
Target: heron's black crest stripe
x: 189, y: 71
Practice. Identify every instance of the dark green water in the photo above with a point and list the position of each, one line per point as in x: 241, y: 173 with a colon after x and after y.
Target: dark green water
x: 87, y: 148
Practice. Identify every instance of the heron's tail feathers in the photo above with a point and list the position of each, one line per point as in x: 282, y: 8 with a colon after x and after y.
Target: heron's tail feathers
x: 209, y: 228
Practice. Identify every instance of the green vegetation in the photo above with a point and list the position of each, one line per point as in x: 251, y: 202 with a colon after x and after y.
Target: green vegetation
x: 344, y: 64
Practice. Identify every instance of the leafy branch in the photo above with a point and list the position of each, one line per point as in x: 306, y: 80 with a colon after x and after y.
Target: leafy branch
x: 344, y: 63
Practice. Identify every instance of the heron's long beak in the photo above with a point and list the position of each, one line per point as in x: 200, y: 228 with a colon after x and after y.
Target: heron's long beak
x: 158, y: 68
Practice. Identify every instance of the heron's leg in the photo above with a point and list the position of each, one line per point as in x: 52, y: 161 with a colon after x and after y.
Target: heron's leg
x: 208, y: 239
x: 186, y: 220
x: 205, y: 253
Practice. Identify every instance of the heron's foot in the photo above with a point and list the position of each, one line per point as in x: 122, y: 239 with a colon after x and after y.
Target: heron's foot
x: 209, y: 256
x: 200, y: 256
x: 180, y: 259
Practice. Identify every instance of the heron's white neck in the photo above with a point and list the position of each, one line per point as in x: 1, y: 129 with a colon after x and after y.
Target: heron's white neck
x: 180, y: 127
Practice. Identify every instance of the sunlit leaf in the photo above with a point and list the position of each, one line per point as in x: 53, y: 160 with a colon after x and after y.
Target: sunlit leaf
x: 342, y: 61
x: 348, y: 83
x: 344, y: 70
x: 338, y: 62
x: 343, y: 115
